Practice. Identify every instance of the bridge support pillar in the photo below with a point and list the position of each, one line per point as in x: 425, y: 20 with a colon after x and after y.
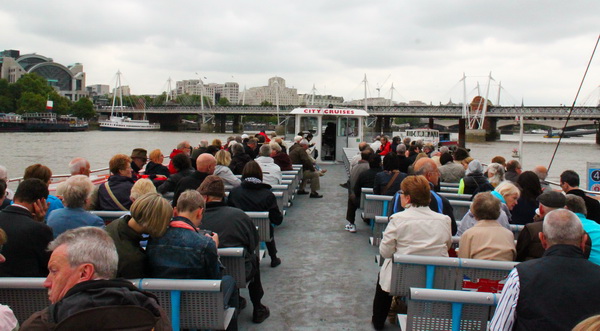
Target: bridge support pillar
x: 220, y: 123
x: 378, y: 126
x: 491, y: 129
x: 237, y: 128
x: 386, y: 125
x: 430, y: 125
x: 462, y: 132
x: 597, y: 132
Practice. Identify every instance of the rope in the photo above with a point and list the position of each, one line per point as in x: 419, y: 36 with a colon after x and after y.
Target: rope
x: 574, y: 101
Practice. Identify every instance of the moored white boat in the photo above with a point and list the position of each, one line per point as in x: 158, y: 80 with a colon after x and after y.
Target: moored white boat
x: 124, y: 123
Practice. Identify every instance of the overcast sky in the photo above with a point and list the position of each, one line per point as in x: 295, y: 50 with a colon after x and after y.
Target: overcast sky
x: 538, y: 50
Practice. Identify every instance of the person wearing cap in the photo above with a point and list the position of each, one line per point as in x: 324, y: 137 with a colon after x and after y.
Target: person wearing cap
x: 569, y: 182
x: 139, y: 157
x: 529, y: 245
x: 537, y: 292
x: 235, y: 229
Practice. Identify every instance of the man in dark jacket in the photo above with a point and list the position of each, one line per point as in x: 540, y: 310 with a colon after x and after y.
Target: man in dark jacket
x: 205, y: 165
x: 280, y: 157
x: 235, y: 229
x: 239, y: 159
x: 84, y: 282
x: 569, y: 182
x: 534, y: 295
x: 28, y: 236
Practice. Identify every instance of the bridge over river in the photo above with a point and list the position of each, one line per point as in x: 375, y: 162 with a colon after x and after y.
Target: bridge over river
x: 550, y: 116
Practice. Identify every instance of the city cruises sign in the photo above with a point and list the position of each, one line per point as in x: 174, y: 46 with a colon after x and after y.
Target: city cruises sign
x: 330, y: 111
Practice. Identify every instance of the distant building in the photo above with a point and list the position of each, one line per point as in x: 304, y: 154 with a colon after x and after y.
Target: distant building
x: 122, y: 90
x: 276, y: 88
x: 68, y: 81
x: 97, y: 89
x: 319, y: 100
x: 379, y: 101
x: 212, y: 91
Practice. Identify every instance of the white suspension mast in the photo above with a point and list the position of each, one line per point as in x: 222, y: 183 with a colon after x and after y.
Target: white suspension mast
x: 499, y: 89
x: 312, y: 100
x: 392, y: 95
x: 365, y: 81
x: 485, y: 103
x: 169, y: 88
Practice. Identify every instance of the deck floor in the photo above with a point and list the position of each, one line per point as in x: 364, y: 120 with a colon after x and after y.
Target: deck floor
x: 327, y: 277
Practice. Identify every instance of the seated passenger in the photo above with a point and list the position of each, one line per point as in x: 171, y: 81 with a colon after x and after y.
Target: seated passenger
x: 474, y: 180
x: 533, y: 296
x: 280, y: 157
x: 150, y: 214
x: 271, y: 171
x: 205, y: 166
x: 416, y: 231
x: 235, y: 229
x: 239, y: 159
x: 186, y: 252
x: 254, y: 195
x: 4, y: 176
x: 83, y: 265
x: 487, y: 239
x: 155, y: 170
x: 77, y: 191
x: 141, y: 187
x: 388, y: 181
x: 508, y: 194
x: 28, y: 236
x: 298, y: 155
x: 495, y: 174
x: 139, y: 157
x: 4, y: 201
x: 524, y: 211
x: 183, y: 168
x: 450, y: 172
x: 8, y: 320
x: 576, y: 204
x: 222, y: 170
x: 44, y: 174
x: 114, y: 194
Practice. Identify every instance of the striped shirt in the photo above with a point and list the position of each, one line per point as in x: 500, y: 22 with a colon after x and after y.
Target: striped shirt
x: 506, y: 311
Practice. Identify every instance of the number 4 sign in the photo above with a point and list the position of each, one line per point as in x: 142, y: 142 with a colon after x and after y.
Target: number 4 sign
x: 593, y: 176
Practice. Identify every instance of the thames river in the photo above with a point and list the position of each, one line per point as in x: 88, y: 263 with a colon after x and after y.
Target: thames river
x: 56, y: 149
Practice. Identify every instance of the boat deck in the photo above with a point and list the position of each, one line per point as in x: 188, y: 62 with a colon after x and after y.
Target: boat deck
x: 327, y: 277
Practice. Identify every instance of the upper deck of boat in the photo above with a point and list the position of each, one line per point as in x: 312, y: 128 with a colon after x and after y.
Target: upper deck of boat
x: 328, y: 275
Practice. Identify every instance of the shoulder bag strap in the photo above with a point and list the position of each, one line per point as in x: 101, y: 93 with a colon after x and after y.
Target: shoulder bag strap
x: 389, y: 184
x: 113, y: 197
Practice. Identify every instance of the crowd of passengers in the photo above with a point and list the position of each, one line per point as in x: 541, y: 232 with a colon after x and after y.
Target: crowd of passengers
x: 559, y: 245
x: 175, y: 238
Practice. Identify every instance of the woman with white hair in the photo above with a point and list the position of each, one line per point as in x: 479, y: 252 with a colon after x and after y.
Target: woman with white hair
x: 508, y: 194
x: 495, y: 174
x: 77, y: 191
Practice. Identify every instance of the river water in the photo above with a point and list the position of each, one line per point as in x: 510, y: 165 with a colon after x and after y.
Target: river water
x: 19, y: 150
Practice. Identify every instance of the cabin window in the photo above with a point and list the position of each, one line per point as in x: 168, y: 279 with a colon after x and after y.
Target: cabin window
x: 308, y: 124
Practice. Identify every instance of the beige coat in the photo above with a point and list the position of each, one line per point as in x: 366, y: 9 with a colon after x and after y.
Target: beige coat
x: 487, y: 240
x: 414, y: 231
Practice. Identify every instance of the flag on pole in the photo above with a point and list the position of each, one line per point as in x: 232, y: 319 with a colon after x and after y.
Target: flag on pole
x: 49, y: 104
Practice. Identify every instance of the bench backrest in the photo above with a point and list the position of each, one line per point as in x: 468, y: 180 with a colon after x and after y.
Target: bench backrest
x: 192, y: 303
x: 442, y: 272
x: 234, y: 261
x: 431, y: 309
x: 377, y: 205
x: 460, y: 208
x: 109, y: 215
x: 262, y: 222
x: 24, y: 295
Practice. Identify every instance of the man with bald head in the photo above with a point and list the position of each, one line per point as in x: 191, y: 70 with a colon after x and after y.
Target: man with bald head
x: 205, y: 166
x: 542, y: 173
x: 439, y: 204
x: 535, y: 296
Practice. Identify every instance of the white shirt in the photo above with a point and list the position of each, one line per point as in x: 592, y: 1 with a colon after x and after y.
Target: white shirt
x: 506, y: 311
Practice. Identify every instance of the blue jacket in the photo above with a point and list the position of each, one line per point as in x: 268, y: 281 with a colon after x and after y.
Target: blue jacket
x: 593, y: 230
x: 183, y: 253
x: 65, y: 219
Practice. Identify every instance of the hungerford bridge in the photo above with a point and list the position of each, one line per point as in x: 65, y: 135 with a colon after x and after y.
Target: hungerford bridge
x: 493, y: 118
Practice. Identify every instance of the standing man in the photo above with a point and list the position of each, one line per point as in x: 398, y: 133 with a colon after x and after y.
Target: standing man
x: 28, y: 236
x: 353, y: 199
x: 534, y: 295
x: 569, y: 182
